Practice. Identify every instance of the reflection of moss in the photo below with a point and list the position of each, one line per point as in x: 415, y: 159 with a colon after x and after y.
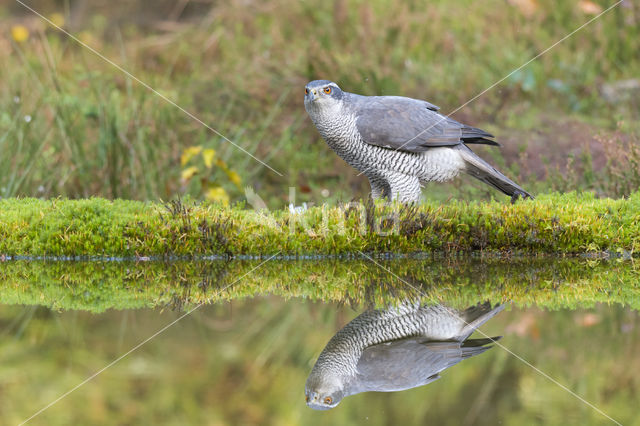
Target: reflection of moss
x: 553, y: 223
x: 97, y: 286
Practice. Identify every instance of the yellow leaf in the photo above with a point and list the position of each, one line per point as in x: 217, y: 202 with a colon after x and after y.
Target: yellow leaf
x: 208, y: 155
x: 218, y: 194
x: 19, y: 33
x: 234, y: 177
x: 189, y: 172
x: 57, y: 19
x: 87, y: 38
x: 189, y: 153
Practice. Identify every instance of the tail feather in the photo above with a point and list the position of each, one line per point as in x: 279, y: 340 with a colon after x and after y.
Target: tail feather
x: 479, y: 136
x: 481, y: 170
x: 474, y: 347
x: 475, y: 316
x: 480, y: 141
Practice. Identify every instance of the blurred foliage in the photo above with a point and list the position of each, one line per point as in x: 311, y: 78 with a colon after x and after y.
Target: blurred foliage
x: 553, y: 223
x: 621, y: 176
x: 459, y: 282
x: 245, y: 362
x: 203, y: 163
x: 78, y: 127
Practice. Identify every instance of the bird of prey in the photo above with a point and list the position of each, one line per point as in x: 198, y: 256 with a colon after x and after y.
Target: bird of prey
x: 395, y: 349
x: 400, y: 143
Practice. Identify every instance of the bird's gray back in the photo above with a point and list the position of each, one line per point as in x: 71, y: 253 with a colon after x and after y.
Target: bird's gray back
x: 406, y: 124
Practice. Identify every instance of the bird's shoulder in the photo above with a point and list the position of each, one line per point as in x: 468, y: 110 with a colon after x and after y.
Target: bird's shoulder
x: 398, y: 103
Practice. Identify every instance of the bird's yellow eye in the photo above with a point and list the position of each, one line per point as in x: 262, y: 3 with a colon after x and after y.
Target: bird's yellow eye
x: 328, y: 399
x: 306, y: 91
x: 327, y: 90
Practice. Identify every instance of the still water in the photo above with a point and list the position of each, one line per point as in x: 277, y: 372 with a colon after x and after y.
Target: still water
x: 363, y: 342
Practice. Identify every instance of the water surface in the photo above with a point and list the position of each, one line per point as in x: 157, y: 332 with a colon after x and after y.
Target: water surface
x: 244, y: 354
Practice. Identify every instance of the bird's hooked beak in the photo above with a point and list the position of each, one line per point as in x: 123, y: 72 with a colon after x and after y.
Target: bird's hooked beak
x: 311, y: 95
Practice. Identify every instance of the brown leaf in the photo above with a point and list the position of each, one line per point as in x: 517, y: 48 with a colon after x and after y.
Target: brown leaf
x: 589, y: 7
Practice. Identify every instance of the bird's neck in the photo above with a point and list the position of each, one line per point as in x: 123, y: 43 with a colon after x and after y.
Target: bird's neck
x: 337, y: 126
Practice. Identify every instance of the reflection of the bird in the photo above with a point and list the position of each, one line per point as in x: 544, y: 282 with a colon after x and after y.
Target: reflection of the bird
x: 395, y: 349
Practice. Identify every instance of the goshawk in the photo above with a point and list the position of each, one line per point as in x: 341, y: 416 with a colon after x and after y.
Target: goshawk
x: 395, y: 349
x: 400, y: 143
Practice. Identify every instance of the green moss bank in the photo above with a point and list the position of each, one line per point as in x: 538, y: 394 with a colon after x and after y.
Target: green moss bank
x: 565, y: 224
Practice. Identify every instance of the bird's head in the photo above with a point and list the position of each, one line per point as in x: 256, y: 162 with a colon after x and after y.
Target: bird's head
x: 322, y: 94
x: 323, y: 392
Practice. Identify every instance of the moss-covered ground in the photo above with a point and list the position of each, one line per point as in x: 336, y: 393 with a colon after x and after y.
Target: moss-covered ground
x: 556, y: 224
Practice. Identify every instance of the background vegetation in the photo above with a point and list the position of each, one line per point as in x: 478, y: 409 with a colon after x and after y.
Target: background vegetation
x: 76, y: 126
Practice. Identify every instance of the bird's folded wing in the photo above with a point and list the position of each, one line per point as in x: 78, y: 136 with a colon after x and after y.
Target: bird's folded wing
x: 403, y: 364
x: 410, y: 125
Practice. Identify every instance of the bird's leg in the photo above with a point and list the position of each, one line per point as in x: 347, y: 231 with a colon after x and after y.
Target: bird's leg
x: 404, y: 188
x: 376, y: 192
x: 378, y: 188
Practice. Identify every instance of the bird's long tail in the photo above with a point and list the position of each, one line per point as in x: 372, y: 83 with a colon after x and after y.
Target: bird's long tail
x: 481, y: 170
x: 474, y: 347
x: 474, y: 317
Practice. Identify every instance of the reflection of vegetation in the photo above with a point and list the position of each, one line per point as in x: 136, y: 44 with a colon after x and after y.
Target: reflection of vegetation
x: 97, y: 286
x: 553, y: 223
x: 246, y: 363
